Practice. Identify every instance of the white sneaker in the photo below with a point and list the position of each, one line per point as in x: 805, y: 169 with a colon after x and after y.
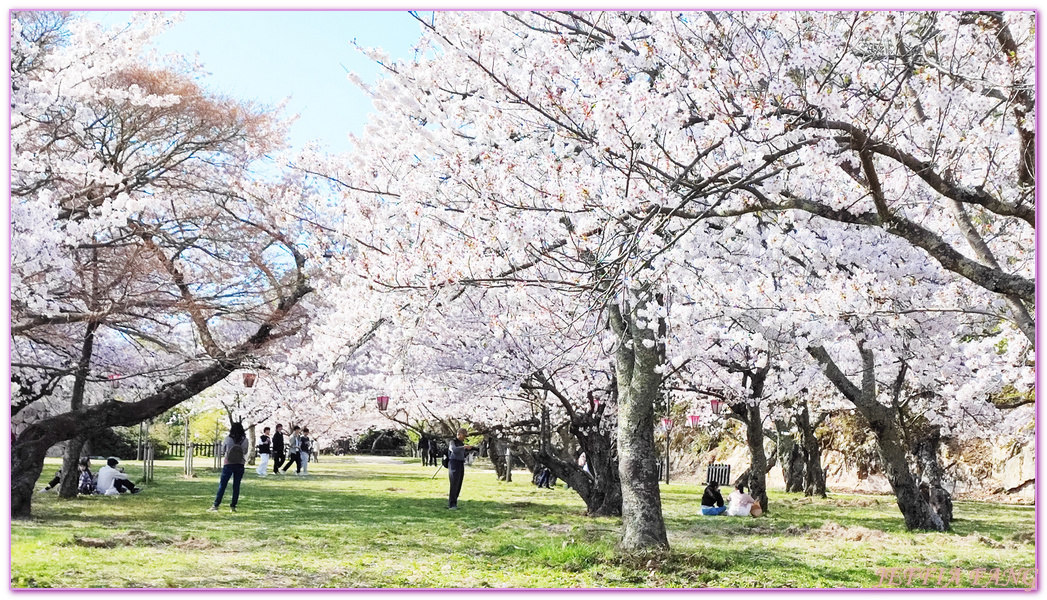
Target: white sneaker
x: 213, y: 509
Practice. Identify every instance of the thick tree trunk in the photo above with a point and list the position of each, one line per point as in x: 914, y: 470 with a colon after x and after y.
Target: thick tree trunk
x: 789, y: 456
x: 601, y: 488
x: 916, y: 510
x: 70, y: 471
x: 814, y: 475
x: 643, y: 527
x: 497, y: 451
x: 890, y: 442
x: 758, y: 466
x: 933, y: 475
x: 795, y: 466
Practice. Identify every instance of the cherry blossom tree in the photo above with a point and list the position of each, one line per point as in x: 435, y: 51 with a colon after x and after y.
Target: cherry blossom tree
x: 144, y: 248
x: 587, y: 152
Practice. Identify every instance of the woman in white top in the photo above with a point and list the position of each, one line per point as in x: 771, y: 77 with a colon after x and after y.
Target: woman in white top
x: 739, y: 504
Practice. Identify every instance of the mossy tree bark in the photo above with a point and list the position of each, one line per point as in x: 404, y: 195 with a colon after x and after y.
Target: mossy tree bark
x: 636, y: 362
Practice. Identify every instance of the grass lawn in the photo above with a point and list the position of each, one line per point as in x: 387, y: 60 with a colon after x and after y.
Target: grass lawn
x: 358, y: 523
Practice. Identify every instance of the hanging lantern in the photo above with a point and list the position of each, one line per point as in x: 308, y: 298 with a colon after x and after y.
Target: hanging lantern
x: 249, y: 380
x: 667, y: 423
x: 383, y: 402
x: 716, y: 405
x: 114, y: 380
x: 594, y: 401
x: 695, y: 420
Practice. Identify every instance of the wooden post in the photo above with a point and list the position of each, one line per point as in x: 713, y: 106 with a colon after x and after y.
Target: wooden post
x: 189, y: 459
x: 140, y: 454
x: 508, y: 462
x: 147, y: 462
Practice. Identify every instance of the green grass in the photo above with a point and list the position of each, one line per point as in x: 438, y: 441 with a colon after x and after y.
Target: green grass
x: 357, y: 524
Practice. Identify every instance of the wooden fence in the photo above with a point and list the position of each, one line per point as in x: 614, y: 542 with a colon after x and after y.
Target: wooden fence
x: 199, y: 449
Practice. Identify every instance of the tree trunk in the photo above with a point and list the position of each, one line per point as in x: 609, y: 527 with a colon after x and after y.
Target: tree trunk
x: 789, y: 457
x: 496, y: 450
x: 940, y: 499
x: 601, y: 488
x: 758, y: 466
x: 916, y: 510
x: 814, y: 476
x: 643, y: 527
x: 252, y: 449
x: 70, y: 473
x: 889, y: 439
x: 70, y: 470
x: 796, y: 467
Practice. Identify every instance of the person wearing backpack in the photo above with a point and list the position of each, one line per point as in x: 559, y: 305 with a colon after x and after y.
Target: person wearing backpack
x: 305, y: 446
x: 234, y: 457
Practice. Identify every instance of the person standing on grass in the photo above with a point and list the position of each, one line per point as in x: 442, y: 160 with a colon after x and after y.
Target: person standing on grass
x: 279, y: 453
x: 264, y: 449
x: 456, y: 467
x: 234, y: 457
x: 305, y: 447
x: 294, y: 454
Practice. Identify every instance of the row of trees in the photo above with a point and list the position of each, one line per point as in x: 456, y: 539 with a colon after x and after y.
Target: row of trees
x: 793, y: 212
x: 782, y: 204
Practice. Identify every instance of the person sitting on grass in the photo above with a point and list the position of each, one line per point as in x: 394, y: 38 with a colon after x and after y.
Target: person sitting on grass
x: 712, y: 500
x: 741, y: 504
x: 53, y: 484
x: 86, y: 482
x: 113, y: 481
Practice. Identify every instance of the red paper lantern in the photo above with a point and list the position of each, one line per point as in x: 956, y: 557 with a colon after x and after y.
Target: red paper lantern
x: 716, y: 405
x: 114, y: 380
x: 249, y: 380
x: 594, y: 401
x: 695, y: 420
x: 383, y: 402
x: 667, y: 423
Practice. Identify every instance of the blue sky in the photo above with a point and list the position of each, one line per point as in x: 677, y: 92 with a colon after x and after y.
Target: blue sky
x: 266, y: 56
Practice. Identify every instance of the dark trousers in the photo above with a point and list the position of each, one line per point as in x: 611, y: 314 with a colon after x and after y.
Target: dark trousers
x: 455, y: 472
x: 123, y: 485
x: 55, y: 481
x: 296, y: 459
x: 237, y: 473
x: 278, y: 461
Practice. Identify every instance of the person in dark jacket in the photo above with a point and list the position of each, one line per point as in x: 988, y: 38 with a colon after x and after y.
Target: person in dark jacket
x: 712, y: 500
x: 53, y: 484
x: 423, y: 449
x: 456, y: 467
x: 279, y: 452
